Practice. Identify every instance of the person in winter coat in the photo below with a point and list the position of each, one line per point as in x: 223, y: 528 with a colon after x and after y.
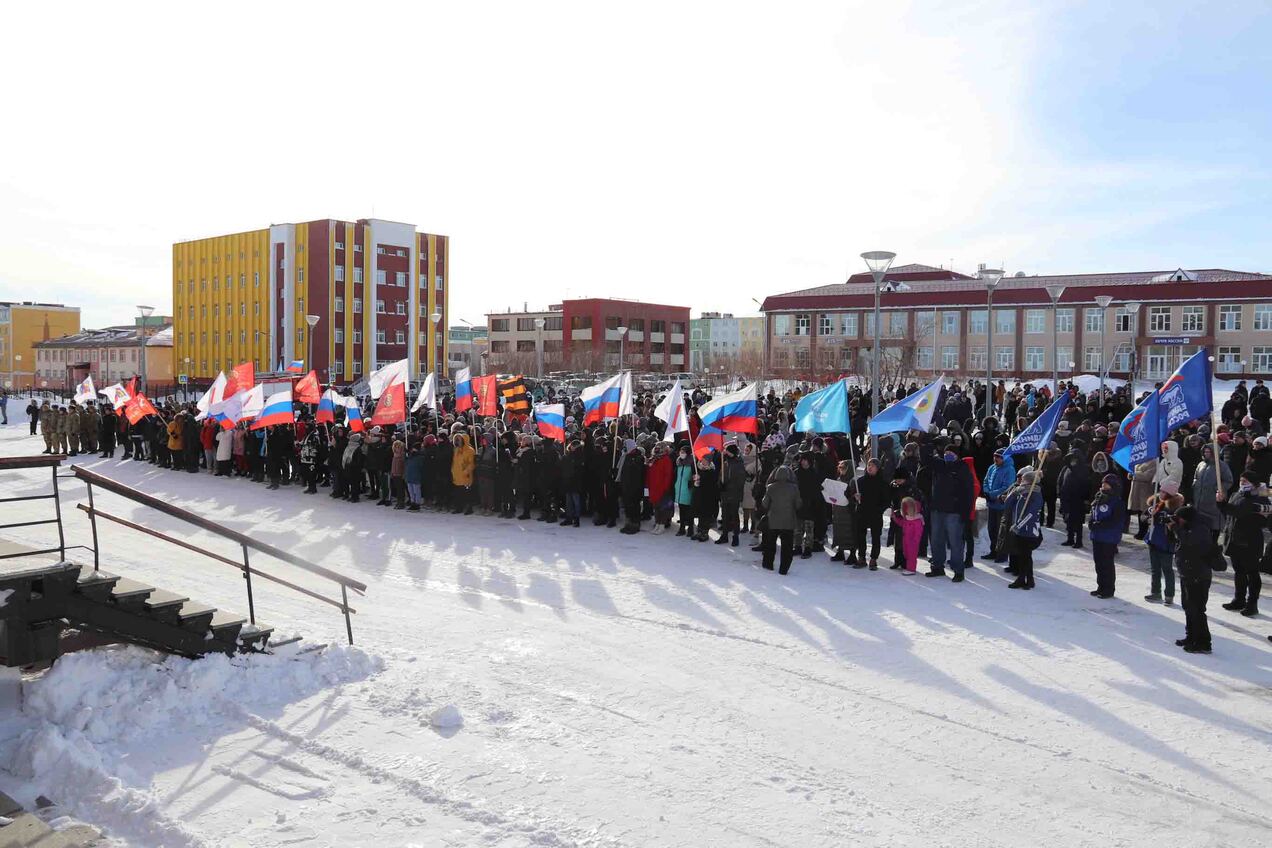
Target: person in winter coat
x: 1205, y: 487
x: 1075, y: 492
x: 175, y: 445
x: 107, y: 431
x: 1143, y: 485
x: 1052, y: 465
x: 659, y: 480
x: 903, y: 486
x: 781, y: 504
x: 353, y: 463
x: 487, y: 471
x: 463, y: 466
x: 1022, y: 522
x: 631, y: 484
x: 224, y: 452
x: 1169, y: 466
x: 547, y: 481
x: 1160, y: 510
x: 1189, y: 458
x: 751, y: 461
x: 1193, y: 551
x: 1108, y: 520
x: 413, y: 475
x: 571, y: 483
x: 969, y: 530
x: 683, y: 487
x: 909, y: 521
x: 871, y: 496
x: 998, y: 482
x: 706, y: 496
x: 843, y: 519
x: 207, y: 438
x: 733, y: 487
x: 951, y: 503
x: 397, y: 472
x: 1246, y: 514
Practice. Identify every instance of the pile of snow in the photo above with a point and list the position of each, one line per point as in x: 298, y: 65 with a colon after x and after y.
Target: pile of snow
x: 446, y: 717
x: 81, y: 720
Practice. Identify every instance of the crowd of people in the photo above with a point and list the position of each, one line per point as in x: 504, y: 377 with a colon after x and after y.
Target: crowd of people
x: 1196, y: 510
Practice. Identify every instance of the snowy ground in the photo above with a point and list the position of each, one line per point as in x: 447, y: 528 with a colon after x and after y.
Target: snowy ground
x: 640, y: 691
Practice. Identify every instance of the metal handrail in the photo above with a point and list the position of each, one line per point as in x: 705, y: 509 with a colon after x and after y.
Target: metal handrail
x: 14, y: 463
x: 247, y: 543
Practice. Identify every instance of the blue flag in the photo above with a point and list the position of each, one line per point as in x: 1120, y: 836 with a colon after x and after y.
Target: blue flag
x: 824, y: 411
x: 912, y: 413
x: 1040, y: 433
x: 1187, y: 395
x: 1138, y: 438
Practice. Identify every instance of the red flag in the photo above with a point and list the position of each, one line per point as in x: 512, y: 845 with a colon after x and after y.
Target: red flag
x: 137, y: 408
x: 307, y: 389
x: 391, y: 408
x: 486, y: 396
x: 131, y: 388
x: 242, y: 378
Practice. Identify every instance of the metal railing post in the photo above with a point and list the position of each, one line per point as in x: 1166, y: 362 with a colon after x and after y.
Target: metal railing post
x: 57, y: 506
x: 344, y: 597
x: 247, y: 575
x: 92, y: 520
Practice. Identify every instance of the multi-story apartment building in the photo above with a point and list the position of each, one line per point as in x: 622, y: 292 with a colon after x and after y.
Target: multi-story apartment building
x: 22, y: 326
x: 719, y: 340
x: 590, y: 334
x: 941, y: 324
x: 110, y: 355
x: 379, y: 291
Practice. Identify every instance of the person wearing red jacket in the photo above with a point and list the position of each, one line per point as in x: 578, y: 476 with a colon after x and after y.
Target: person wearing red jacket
x: 970, y: 533
x: 207, y: 441
x: 658, y: 476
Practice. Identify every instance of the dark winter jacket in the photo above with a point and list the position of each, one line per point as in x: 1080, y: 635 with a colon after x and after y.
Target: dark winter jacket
x: 1245, y: 516
x: 734, y: 486
x: 1108, y: 517
x: 782, y: 500
x: 951, y: 486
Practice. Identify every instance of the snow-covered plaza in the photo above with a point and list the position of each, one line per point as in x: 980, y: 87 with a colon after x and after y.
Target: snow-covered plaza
x: 635, y: 691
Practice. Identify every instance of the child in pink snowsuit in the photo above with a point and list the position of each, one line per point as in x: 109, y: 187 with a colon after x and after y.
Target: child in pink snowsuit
x: 911, y: 522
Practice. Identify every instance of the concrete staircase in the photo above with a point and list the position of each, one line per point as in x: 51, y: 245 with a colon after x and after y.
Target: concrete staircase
x: 26, y: 830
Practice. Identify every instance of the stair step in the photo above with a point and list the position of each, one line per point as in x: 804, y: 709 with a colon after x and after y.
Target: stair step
x: 96, y: 584
x: 225, y: 626
x: 161, y: 599
x: 130, y: 593
x: 254, y: 635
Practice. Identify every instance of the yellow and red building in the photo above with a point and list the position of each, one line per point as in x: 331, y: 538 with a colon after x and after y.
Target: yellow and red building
x: 23, y: 325
x: 374, y: 285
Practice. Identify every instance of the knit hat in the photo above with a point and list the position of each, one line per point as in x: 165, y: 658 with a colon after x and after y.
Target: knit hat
x: 1111, y: 479
x: 1001, y: 453
x: 1027, y: 477
x: 1261, y: 441
x: 1169, y: 487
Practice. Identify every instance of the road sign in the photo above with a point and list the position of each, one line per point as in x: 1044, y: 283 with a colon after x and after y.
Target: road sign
x: 183, y: 379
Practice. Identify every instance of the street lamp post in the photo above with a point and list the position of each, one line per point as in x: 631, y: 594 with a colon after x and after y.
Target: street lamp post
x: 312, y: 321
x: 878, y: 261
x: 991, y: 277
x: 1054, y: 293
x: 1133, y: 307
x: 539, y: 324
x: 146, y: 312
x: 1103, y: 302
x: 622, y: 338
x: 435, y: 318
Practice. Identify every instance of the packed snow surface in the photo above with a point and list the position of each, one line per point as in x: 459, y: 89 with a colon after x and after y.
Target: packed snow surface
x: 635, y: 691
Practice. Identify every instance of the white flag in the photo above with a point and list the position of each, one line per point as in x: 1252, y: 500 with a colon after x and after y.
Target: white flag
x: 672, y: 410
x: 252, y: 402
x: 85, y: 392
x: 428, y: 393
x: 116, y: 394
x: 389, y: 375
x: 625, y: 404
x: 215, y: 394
x: 231, y: 409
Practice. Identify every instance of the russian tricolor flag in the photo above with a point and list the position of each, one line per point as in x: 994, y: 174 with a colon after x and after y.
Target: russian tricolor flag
x: 296, y: 366
x: 463, y: 390
x: 327, y: 404
x: 601, y: 402
x: 278, y: 410
x: 551, y: 420
x: 733, y: 413
x: 353, y: 415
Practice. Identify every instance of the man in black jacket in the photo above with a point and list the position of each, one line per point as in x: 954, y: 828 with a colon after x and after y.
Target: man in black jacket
x: 952, y: 493
x: 1192, y: 560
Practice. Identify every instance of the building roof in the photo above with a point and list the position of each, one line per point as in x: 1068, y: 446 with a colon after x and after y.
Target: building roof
x: 952, y: 288
x: 117, y: 336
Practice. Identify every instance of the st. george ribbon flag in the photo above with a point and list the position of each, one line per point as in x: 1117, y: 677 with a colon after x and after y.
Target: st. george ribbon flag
x: 1039, y: 434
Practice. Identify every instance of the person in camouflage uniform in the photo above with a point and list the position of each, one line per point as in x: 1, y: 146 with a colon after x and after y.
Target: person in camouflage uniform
x: 73, y: 429
x: 48, y: 427
x: 61, y: 429
x: 89, y: 422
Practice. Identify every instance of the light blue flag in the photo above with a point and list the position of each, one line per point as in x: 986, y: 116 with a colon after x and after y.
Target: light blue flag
x: 912, y: 413
x: 1039, y: 434
x: 824, y: 411
x: 1137, y: 438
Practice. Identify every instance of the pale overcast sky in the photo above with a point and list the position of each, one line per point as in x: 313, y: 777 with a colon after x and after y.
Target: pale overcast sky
x: 685, y: 152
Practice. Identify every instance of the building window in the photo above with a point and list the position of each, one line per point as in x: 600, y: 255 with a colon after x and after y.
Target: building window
x: 380, y: 276
x: 1261, y: 360
x: 1091, y: 359
x: 1004, y: 358
x: 357, y: 248
x: 400, y: 278
x: 924, y: 325
x: 300, y: 335
x: 802, y: 323
x: 1035, y: 320
x: 580, y: 322
x: 1230, y: 318
x: 949, y: 324
x: 1034, y: 360
x: 380, y: 337
x: 357, y: 278
x: 1064, y: 320
x: 300, y: 305
x: 337, y: 368
x: 400, y: 308
x: 977, y: 322
x: 339, y: 307
x: 524, y: 346
x: 923, y: 361
x: 781, y: 325
x: 949, y: 357
x: 357, y: 305
x: 848, y: 323
x: 357, y: 337
x: 339, y: 273
x: 338, y: 335
x: 379, y: 306
x: 256, y: 308
x: 256, y: 279
x: 439, y: 282
x: 976, y: 358
x: 399, y: 337
x: 242, y: 281
x: 379, y: 248
x: 1229, y: 360
x: 243, y: 310
x: 1093, y: 319
x: 1005, y: 322
x: 897, y: 324
x: 1064, y: 356
x: 1159, y: 319
x: 500, y: 346
x: 526, y: 325
x: 1263, y: 316
x: 801, y: 358
x: 498, y: 325
x: 339, y: 245
x: 1122, y: 320
x: 556, y: 322
x: 1194, y: 320
x: 357, y: 368
x: 825, y: 325
x: 300, y: 275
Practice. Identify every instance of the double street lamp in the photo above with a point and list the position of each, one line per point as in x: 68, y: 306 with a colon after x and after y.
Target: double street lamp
x: 539, y: 324
x: 146, y: 312
x: 312, y: 321
x: 878, y: 261
x: 991, y: 277
x: 1103, y: 302
x: 1054, y: 293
